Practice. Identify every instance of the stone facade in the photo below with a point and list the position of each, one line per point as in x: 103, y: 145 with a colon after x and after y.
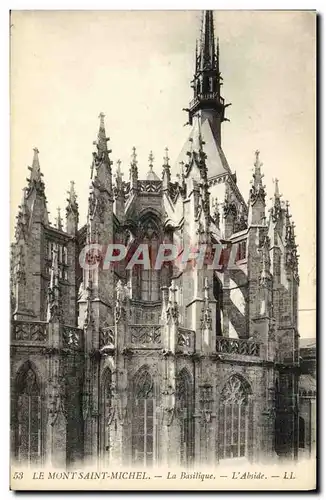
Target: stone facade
x: 170, y: 366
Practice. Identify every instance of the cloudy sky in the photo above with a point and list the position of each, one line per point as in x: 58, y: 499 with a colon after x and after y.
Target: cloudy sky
x: 67, y: 67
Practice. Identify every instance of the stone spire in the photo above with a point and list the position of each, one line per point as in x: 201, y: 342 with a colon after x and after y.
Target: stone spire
x: 119, y: 193
x: 133, y: 172
x: 166, y: 175
x: 59, y: 222
x: 101, y: 185
x: 35, y: 181
x: 276, y: 210
x: 53, y: 312
x: 206, y: 84
x: 35, y: 192
x: 291, y: 255
x: 257, y: 191
x: 72, y: 215
x: 206, y: 319
x: 151, y: 175
x: 101, y: 166
x: 22, y: 219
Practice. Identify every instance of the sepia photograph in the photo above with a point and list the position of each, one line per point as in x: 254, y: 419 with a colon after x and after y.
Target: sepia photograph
x: 163, y: 250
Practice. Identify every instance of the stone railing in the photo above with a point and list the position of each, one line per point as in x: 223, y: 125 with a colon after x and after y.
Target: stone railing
x: 227, y: 345
x: 206, y: 96
x: 72, y: 337
x: 145, y: 334
x: 149, y: 186
x: 186, y: 339
x: 29, y: 331
x: 107, y: 337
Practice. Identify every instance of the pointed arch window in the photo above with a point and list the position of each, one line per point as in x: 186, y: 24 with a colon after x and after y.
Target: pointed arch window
x: 28, y: 418
x: 106, y: 413
x: 143, y: 419
x: 233, y: 419
x: 149, y: 279
x: 218, y: 296
x: 185, y: 404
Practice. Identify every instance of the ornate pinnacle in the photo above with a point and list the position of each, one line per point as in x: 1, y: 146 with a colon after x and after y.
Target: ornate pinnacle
x: 151, y: 160
x: 134, y: 156
x: 166, y: 157
x: 133, y: 168
x: 119, y: 168
x: 118, y: 178
x: 206, y: 319
x: 59, y: 219
x: 258, y: 190
x: 166, y: 170
x: 35, y: 180
x: 72, y: 206
x: 53, y: 291
x: 102, y: 140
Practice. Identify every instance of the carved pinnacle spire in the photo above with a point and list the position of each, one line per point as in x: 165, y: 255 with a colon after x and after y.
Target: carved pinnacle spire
x: 59, y: 222
x: 53, y: 291
x: 134, y: 156
x: 151, y: 160
x: 258, y: 190
x: 35, y: 180
x: 166, y: 157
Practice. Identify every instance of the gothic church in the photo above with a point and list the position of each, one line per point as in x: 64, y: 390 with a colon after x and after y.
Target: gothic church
x: 157, y: 367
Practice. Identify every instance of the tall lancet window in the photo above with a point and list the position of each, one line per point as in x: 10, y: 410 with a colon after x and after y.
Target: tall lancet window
x: 143, y: 419
x: 185, y: 404
x: 106, y: 414
x: 218, y: 296
x: 28, y: 417
x: 149, y: 279
x: 233, y: 419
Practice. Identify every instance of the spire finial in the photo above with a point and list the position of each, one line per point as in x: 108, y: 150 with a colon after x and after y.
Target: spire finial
x: 59, y: 219
x: 101, y: 137
x: 134, y: 156
x: 151, y: 160
x: 276, y: 188
x: 166, y: 156
x: 119, y: 167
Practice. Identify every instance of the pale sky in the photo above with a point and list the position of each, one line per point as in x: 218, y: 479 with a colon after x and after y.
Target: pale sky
x: 68, y: 66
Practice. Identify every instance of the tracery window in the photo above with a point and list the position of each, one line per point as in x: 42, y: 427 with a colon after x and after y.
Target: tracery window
x: 185, y: 406
x: 106, y: 415
x: 28, y: 418
x: 149, y: 279
x: 233, y: 419
x: 143, y: 419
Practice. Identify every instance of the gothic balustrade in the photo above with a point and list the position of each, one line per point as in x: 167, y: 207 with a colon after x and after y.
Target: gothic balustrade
x: 148, y: 335
x: 185, y: 340
x: 29, y: 331
x: 244, y: 347
x: 72, y: 337
x: 206, y: 96
x: 107, y: 337
x: 149, y: 186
